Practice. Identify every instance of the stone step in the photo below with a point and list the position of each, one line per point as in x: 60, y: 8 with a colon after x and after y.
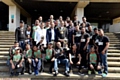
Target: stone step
x: 12, y: 41
x: 113, y: 54
x: 113, y: 59
x: 114, y: 48
x: 114, y: 64
x: 114, y: 42
x: 5, y: 46
x: 6, y: 43
x: 113, y: 51
x: 114, y: 45
x: 47, y: 76
x: 4, y: 49
x: 7, y: 38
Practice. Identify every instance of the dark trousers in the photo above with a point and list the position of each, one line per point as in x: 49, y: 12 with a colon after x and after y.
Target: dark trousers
x: 74, y: 60
x: 83, y: 60
x: 94, y: 65
x: 28, y: 65
x: 22, y: 44
x: 47, y: 62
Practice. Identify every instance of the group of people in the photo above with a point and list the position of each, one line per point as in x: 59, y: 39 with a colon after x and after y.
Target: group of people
x: 59, y: 42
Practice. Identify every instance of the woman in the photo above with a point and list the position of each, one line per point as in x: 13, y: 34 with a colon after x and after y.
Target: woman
x: 74, y: 57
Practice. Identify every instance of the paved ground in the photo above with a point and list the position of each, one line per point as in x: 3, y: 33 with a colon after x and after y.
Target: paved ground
x: 47, y: 76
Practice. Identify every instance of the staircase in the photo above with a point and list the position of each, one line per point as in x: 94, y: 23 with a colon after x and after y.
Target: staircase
x: 7, y: 40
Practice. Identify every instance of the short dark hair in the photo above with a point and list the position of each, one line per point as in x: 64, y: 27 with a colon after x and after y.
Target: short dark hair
x: 16, y: 42
x: 95, y: 29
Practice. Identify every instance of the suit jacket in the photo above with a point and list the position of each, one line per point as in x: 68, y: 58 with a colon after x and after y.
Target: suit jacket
x: 49, y: 35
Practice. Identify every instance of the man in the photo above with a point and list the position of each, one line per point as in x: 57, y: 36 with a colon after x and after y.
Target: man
x: 84, y: 41
x: 76, y: 36
x: 51, y: 34
x: 90, y: 32
x: 47, y: 25
x: 103, y: 46
x: 61, y: 58
x: 70, y: 33
x: 62, y: 34
x: 40, y: 19
x: 76, y: 21
x: 16, y: 63
x: 12, y: 51
x: 34, y: 29
x: 87, y: 24
x: 95, y: 38
x: 40, y: 36
x: 51, y: 18
x: 20, y: 35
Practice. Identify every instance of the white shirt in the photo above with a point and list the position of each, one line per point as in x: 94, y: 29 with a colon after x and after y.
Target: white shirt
x: 53, y: 34
x: 40, y: 33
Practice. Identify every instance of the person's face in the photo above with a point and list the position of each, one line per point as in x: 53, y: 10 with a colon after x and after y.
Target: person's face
x: 27, y: 46
x: 83, y: 30
x: 37, y: 22
x: 42, y: 25
x: 16, y: 44
x: 50, y: 45
x: 21, y: 24
x: 52, y: 25
x: 92, y: 49
x: 84, y: 19
x: 17, y: 51
x: 71, y: 23
x: 77, y: 27
x: 40, y: 18
x: 60, y: 18
x: 58, y: 45
x: 101, y: 33
x: 75, y: 17
x: 29, y: 28
x: 68, y: 19
x: 62, y: 24
x: 35, y: 48
x: 74, y: 47
x: 51, y: 16
x: 96, y: 31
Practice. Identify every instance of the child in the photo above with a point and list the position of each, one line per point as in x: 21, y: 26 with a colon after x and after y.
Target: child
x: 93, y: 61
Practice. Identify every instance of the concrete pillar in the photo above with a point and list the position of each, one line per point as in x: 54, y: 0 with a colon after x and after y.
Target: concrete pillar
x: 80, y: 13
x: 29, y: 21
x: 14, y: 18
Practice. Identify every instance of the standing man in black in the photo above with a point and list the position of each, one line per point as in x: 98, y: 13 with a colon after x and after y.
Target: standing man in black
x: 70, y: 33
x: 84, y: 42
x: 20, y: 35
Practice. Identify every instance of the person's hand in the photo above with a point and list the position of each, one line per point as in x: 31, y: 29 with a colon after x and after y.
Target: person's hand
x: 103, y: 52
x: 71, y: 62
x: 13, y: 67
x: 52, y: 59
x: 98, y: 67
x: 20, y: 65
x: 36, y: 59
x: 78, y: 62
x: 84, y: 48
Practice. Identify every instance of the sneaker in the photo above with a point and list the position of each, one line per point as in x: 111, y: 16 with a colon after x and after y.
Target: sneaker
x: 89, y: 72
x: 96, y: 72
x: 55, y: 74
x: 17, y: 74
x: 81, y: 73
x: 104, y: 75
x: 99, y: 72
x: 66, y: 74
x: 12, y: 74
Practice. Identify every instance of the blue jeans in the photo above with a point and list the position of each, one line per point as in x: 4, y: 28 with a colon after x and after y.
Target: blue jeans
x: 103, y: 58
x: 22, y: 44
x: 61, y: 61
